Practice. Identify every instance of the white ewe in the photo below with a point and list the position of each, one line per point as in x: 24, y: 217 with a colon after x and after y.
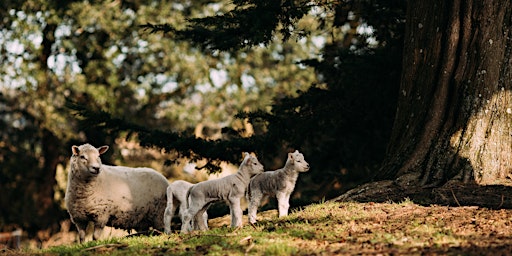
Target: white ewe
x: 279, y: 183
x: 229, y: 189
x: 118, y: 196
x: 177, y: 197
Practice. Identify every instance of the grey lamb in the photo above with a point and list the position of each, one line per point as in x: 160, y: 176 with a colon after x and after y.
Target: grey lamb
x: 177, y: 197
x: 117, y: 196
x: 229, y: 189
x: 279, y: 183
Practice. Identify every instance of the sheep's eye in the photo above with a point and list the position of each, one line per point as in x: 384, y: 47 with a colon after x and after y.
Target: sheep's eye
x: 83, y: 157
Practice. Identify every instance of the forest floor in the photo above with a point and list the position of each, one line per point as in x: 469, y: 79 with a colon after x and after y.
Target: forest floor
x: 328, y: 228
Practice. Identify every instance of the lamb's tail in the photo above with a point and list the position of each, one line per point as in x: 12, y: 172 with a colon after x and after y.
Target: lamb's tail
x: 187, y: 198
x: 248, y: 192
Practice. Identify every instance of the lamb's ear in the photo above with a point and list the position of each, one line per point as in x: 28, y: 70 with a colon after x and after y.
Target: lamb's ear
x: 75, y: 150
x: 247, y: 157
x: 102, y: 149
x: 290, y: 156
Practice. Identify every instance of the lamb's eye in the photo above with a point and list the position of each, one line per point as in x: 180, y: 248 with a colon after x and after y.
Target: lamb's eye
x: 83, y: 157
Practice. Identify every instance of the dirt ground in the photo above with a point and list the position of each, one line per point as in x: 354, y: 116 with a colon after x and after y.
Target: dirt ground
x: 397, y: 229
x: 383, y: 229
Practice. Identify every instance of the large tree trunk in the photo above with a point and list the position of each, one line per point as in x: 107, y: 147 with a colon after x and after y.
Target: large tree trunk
x: 454, y: 116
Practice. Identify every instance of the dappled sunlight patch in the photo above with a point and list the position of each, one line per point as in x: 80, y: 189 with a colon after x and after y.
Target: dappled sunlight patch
x: 333, y: 228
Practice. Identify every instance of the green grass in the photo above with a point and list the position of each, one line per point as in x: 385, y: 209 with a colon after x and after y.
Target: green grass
x: 331, y: 228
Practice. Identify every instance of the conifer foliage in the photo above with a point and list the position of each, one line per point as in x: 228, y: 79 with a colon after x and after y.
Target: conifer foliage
x: 342, y: 123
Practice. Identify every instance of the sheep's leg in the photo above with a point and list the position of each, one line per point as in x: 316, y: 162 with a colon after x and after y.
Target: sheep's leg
x: 98, y: 230
x: 236, y: 212
x: 81, y: 235
x: 82, y: 228
x: 283, y: 203
x: 254, y: 203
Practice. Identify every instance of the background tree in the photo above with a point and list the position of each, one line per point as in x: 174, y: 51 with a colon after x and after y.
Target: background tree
x: 30, y: 148
x: 451, y: 138
x: 453, y: 121
x: 94, y: 55
x: 342, y: 124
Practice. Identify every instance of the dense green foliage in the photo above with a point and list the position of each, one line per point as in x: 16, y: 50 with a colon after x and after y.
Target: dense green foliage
x: 305, y: 75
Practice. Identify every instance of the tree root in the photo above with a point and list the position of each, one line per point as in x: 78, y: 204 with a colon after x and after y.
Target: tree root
x: 451, y: 193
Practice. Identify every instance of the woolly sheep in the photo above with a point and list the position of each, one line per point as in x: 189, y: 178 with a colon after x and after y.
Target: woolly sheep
x: 177, y: 197
x: 229, y: 189
x: 279, y: 183
x: 118, y: 196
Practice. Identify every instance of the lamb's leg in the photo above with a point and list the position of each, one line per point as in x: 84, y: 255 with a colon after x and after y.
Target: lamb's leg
x: 200, y: 221
x: 169, y: 211
x: 168, y: 214
x: 283, y: 203
x: 236, y: 212
x: 189, y: 214
x: 186, y: 220
x: 254, y: 202
x: 205, y: 219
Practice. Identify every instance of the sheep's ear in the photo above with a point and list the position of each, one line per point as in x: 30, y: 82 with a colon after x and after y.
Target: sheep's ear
x: 102, y: 149
x: 290, y: 156
x: 75, y: 150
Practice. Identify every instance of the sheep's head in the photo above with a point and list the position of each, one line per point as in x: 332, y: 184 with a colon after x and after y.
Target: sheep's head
x: 86, y: 158
x: 297, y: 160
x: 252, y: 164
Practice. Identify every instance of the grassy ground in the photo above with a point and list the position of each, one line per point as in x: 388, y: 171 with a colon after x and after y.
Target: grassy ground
x: 330, y: 228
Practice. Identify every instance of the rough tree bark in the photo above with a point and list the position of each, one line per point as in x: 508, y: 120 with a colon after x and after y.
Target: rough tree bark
x: 452, y: 137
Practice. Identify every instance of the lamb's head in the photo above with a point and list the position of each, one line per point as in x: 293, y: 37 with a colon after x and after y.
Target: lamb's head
x: 86, y: 159
x: 296, y: 159
x: 251, y: 164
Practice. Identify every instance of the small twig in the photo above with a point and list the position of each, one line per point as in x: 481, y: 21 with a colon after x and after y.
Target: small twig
x: 249, y: 248
x: 214, y: 235
x: 502, y: 201
x: 247, y: 238
x: 454, y: 197
x: 249, y: 241
x: 104, y: 245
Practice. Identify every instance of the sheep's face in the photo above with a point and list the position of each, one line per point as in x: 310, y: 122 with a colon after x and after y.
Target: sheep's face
x: 299, y: 163
x: 252, y: 164
x: 86, y: 158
